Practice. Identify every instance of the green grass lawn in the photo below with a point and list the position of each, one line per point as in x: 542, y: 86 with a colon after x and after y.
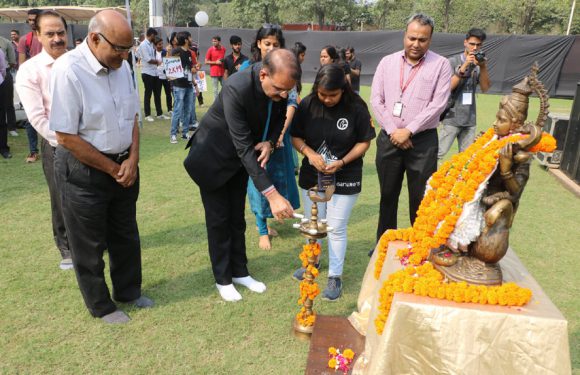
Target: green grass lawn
x: 45, y: 327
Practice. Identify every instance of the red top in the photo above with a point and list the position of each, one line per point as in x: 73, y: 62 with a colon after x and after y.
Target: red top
x: 214, y: 54
x: 32, y: 49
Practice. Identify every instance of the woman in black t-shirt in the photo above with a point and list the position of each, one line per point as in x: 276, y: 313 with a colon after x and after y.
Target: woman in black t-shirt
x: 332, y: 128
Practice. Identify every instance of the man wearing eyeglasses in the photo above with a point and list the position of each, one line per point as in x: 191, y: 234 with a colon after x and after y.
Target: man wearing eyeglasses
x: 234, y: 140
x: 32, y: 85
x: 470, y: 70
x: 94, y: 114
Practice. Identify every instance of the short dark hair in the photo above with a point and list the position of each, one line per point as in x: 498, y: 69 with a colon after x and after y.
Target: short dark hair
x: 181, y: 38
x: 349, y: 49
x: 157, y: 40
x: 423, y: 20
x: 217, y: 37
x: 49, y: 13
x: 34, y: 11
x: 151, y: 31
x: 234, y: 39
x: 476, y: 33
x: 15, y: 31
x: 79, y: 40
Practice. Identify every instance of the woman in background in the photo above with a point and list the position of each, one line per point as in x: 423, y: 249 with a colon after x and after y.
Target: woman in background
x: 332, y: 129
x: 330, y: 55
x: 280, y: 167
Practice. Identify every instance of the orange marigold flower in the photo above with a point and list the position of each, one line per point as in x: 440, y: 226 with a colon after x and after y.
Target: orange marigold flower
x: 348, y: 354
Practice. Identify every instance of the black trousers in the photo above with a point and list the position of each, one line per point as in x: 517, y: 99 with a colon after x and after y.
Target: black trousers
x: 7, y: 99
x: 6, y: 96
x: 100, y: 215
x: 152, y: 86
x: 58, y: 227
x: 226, y: 228
x: 168, y: 98
x: 392, y: 163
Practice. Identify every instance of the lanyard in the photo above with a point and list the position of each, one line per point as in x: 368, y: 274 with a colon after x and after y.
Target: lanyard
x: 265, y: 135
x: 414, y: 70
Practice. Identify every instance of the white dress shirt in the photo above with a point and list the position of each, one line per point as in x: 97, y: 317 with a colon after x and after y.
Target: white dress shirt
x: 97, y: 103
x: 147, y: 53
x: 33, y: 85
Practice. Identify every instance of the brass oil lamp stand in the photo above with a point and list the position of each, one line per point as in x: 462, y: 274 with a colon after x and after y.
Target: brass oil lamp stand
x: 313, y: 229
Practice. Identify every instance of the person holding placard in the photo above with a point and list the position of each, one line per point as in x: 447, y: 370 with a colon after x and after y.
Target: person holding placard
x: 183, y: 84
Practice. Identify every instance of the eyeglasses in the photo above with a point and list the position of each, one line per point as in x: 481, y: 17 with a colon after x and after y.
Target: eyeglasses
x: 272, y: 26
x: 119, y: 49
x: 279, y: 91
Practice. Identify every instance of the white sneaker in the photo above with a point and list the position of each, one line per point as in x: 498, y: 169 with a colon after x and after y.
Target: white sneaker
x: 173, y: 139
x: 163, y: 117
x: 149, y: 118
x: 13, y: 133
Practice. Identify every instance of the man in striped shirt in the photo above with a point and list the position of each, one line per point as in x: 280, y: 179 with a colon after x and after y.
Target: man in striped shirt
x: 409, y: 91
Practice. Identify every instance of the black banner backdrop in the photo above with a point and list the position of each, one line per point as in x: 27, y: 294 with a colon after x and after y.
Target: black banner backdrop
x: 509, y: 56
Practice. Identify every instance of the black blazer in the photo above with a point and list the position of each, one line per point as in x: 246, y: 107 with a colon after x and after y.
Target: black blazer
x: 225, y: 139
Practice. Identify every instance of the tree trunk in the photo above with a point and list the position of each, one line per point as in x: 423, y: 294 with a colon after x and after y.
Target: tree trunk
x: 447, y: 5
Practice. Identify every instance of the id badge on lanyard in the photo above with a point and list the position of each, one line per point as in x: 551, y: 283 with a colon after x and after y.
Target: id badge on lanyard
x: 398, y: 106
x: 398, y: 109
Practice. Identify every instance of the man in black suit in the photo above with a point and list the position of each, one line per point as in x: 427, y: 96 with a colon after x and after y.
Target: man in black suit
x: 234, y: 140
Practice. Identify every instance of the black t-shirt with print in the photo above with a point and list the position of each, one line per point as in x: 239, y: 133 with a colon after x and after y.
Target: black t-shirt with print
x: 340, y: 128
x: 186, y: 64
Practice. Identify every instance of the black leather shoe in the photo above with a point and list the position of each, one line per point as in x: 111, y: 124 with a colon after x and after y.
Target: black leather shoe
x: 6, y: 155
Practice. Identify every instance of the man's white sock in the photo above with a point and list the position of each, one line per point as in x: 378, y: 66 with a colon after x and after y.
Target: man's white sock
x: 229, y: 292
x: 250, y: 283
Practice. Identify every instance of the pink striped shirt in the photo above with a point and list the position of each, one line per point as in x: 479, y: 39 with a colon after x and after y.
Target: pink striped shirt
x: 423, y: 100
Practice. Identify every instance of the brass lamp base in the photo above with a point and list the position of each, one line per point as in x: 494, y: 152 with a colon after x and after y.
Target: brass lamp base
x: 300, y: 331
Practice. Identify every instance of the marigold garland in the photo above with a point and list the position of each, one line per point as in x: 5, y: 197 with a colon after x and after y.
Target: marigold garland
x: 547, y: 144
x: 305, y: 319
x: 426, y: 281
x: 308, y: 290
x: 309, y: 251
x: 451, y: 186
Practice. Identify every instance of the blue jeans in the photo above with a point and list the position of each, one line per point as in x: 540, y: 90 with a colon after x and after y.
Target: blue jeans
x: 337, y: 211
x: 183, y: 99
x: 192, y: 115
x: 217, y: 81
x: 32, y: 138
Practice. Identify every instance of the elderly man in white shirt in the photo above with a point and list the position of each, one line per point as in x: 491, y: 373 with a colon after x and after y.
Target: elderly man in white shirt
x: 94, y: 114
x: 32, y: 85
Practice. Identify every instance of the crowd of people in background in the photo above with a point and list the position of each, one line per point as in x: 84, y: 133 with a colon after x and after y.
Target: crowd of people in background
x: 246, y: 144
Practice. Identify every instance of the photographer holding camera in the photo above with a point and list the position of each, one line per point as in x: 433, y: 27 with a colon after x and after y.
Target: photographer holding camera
x: 470, y: 69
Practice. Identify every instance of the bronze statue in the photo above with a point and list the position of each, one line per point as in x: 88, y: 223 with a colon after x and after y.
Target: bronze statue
x: 477, y: 263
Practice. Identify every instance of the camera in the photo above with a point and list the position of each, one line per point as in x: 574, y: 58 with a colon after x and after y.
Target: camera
x: 479, y: 56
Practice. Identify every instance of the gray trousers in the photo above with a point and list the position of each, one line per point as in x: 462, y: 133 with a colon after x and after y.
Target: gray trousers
x: 447, y: 134
x: 58, y: 228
